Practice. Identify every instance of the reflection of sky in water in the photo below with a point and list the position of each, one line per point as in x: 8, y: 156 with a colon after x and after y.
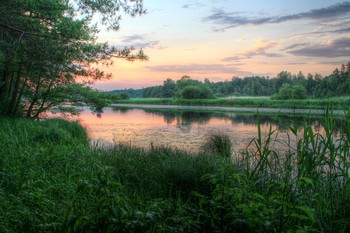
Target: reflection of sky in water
x: 180, y: 129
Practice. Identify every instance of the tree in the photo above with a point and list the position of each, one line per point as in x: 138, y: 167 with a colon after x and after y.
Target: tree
x: 282, y: 78
x: 197, y: 92
x: 287, y: 91
x: 45, y: 45
x: 186, y: 81
x: 169, y: 88
x: 124, y: 96
x: 153, y: 92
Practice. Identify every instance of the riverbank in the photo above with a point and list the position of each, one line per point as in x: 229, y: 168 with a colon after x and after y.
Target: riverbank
x: 52, y: 180
x: 338, y: 103
x: 229, y: 109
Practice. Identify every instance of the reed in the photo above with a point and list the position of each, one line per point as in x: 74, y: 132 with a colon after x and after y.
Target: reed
x: 310, y: 183
x: 218, y: 144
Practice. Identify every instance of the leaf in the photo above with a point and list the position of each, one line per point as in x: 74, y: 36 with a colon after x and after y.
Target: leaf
x: 308, y: 212
x: 306, y: 180
x: 293, y: 129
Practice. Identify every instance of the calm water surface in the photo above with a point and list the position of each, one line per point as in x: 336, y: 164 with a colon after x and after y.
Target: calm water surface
x: 185, y: 129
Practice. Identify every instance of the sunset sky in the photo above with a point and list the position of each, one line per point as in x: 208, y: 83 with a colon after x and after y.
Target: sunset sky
x: 225, y: 38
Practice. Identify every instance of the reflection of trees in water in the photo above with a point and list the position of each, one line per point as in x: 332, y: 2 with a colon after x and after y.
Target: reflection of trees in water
x: 99, y: 114
x: 283, y: 122
x: 97, y: 111
x: 122, y: 109
x: 188, y: 118
x: 185, y: 118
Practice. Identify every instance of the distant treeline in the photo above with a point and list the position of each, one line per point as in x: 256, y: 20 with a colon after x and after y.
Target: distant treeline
x: 335, y: 84
x: 132, y: 93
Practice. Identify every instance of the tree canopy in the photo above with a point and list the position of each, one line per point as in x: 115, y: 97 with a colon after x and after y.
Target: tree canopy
x: 46, y: 46
x: 285, y: 85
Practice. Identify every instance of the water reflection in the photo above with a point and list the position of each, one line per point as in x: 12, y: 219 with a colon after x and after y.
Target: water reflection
x: 282, y: 121
x: 187, y: 129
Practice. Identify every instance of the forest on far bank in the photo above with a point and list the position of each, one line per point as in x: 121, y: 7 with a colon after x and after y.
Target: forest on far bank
x: 284, y: 86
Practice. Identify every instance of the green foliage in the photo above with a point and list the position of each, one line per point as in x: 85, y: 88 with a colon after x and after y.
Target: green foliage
x: 288, y: 91
x: 186, y: 81
x: 186, y: 88
x: 196, y: 92
x: 169, y: 88
x: 132, y: 93
x: 57, y: 183
x: 153, y: 92
x: 336, y: 84
x: 46, y: 45
x: 307, y: 176
x: 218, y: 143
x: 59, y: 131
x: 265, y: 102
x: 124, y: 96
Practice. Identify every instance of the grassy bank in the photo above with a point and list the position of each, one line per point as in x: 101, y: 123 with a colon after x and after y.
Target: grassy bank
x: 266, y: 102
x: 51, y: 180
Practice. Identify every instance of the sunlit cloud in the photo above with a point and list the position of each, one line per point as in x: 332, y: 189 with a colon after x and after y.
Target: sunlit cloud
x: 235, y: 19
x: 296, y: 63
x: 199, y: 69
x: 193, y: 49
x: 334, y: 48
x: 260, y: 50
x: 335, y: 63
x: 140, y: 41
x: 336, y: 27
x: 343, y: 30
x: 193, y: 4
x: 297, y: 45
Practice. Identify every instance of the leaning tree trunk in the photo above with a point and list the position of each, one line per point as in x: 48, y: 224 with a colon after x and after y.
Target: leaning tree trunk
x: 15, y: 91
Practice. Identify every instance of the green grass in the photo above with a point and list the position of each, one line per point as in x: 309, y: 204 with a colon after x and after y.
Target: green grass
x: 52, y: 180
x: 219, y: 144
x: 341, y: 103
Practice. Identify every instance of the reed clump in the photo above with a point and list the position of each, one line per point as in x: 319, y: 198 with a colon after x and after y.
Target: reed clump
x: 218, y: 143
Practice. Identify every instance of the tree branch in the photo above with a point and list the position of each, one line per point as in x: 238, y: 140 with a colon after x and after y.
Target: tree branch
x: 2, y: 24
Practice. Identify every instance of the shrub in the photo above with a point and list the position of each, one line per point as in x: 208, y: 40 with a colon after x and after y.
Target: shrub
x: 124, y: 96
x: 196, y: 92
x: 288, y: 91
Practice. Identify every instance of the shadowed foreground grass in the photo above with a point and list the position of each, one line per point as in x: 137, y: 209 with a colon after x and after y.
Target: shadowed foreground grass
x: 51, y: 180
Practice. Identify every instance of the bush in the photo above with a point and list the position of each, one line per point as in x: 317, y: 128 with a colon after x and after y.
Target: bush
x: 196, y: 92
x: 288, y: 91
x: 124, y: 96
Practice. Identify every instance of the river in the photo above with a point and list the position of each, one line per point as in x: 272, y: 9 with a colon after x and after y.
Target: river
x: 188, y: 129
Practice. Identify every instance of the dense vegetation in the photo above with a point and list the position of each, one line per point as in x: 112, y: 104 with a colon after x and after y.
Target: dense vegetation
x: 47, y: 48
x: 186, y: 88
x: 52, y: 181
x: 336, y: 84
x: 341, y: 103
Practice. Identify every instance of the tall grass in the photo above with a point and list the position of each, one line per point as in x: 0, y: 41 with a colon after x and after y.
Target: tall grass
x: 218, y: 144
x: 309, y: 184
x: 52, y: 180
